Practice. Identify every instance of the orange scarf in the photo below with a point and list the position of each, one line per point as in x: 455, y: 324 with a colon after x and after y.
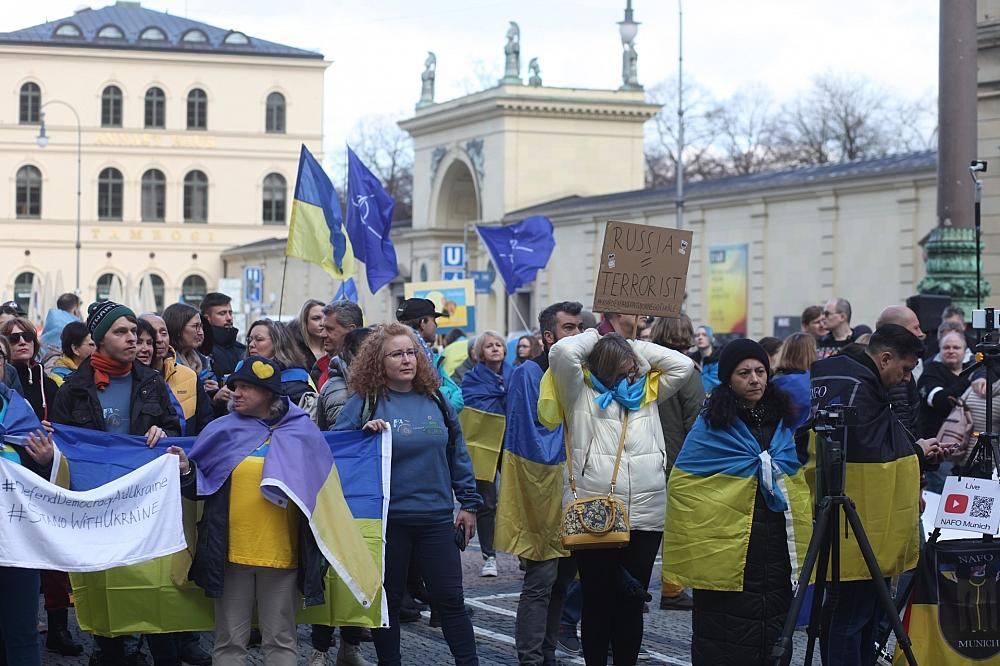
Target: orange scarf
x: 105, y: 368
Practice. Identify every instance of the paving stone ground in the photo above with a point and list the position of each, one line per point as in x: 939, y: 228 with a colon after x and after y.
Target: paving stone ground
x: 667, y: 633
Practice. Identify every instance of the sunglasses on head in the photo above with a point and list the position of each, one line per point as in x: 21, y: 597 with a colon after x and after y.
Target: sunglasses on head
x: 21, y: 336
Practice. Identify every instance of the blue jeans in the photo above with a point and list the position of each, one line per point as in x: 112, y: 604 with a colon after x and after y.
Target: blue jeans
x: 572, y: 606
x: 19, y: 615
x: 852, y: 616
x: 433, y: 548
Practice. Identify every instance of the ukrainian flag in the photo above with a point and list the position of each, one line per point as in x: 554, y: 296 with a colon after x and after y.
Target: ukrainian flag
x: 529, y: 504
x: 710, y: 500
x: 483, y: 419
x: 156, y: 597
x: 316, y: 231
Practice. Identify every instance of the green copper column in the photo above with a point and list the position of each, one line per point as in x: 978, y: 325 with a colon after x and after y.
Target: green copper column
x: 951, y: 267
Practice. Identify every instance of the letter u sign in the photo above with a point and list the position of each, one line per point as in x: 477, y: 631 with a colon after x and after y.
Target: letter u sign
x: 453, y: 255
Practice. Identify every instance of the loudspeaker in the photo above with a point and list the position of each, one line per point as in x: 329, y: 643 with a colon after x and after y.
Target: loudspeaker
x: 928, y: 308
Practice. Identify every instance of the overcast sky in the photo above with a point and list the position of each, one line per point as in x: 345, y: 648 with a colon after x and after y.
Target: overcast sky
x: 378, y: 47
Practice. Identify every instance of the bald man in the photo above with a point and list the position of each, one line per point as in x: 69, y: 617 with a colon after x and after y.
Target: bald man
x: 901, y: 316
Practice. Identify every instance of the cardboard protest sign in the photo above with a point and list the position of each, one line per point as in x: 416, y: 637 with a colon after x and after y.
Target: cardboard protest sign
x: 642, y: 270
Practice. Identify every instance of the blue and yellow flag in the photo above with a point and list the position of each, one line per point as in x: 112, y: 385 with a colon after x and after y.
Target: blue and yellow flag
x: 483, y: 419
x: 316, y: 231
x: 529, y: 504
x: 710, y: 501
x: 156, y: 596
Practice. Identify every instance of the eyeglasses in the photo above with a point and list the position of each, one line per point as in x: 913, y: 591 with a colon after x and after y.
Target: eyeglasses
x: 21, y: 336
x: 829, y: 314
x: 400, y: 354
x: 196, y: 326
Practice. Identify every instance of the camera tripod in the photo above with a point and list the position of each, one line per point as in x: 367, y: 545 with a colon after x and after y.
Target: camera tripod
x: 824, y: 545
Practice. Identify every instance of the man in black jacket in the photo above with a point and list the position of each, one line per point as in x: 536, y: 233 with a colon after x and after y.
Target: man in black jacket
x: 111, y: 392
x: 227, y: 351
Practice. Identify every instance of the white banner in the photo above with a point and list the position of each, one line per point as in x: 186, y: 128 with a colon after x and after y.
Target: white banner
x: 969, y: 504
x: 129, y: 520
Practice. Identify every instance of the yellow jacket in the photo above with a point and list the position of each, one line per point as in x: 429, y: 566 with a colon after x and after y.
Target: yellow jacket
x: 183, y: 383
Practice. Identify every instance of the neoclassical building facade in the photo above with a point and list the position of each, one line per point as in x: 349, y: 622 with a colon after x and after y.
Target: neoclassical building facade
x: 189, y: 140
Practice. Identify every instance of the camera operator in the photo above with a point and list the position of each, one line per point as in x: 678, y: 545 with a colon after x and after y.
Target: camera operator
x: 882, y: 477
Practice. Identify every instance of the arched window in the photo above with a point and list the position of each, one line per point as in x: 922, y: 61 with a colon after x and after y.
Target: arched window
x: 197, y: 110
x: 236, y: 38
x: 156, y: 108
x: 275, y: 194
x: 111, y: 32
x: 104, y: 286
x: 68, y: 30
x: 109, y: 194
x: 111, y: 107
x: 193, y: 289
x: 28, y: 198
x: 152, y: 34
x: 194, y: 36
x: 274, y: 120
x: 195, y: 197
x: 153, y: 196
x: 31, y: 103
x: 157, y: 283
x: 23, y: 285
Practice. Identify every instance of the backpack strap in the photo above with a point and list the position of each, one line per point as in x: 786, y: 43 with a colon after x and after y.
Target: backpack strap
x: 442, y: 404
x: 371, y: 402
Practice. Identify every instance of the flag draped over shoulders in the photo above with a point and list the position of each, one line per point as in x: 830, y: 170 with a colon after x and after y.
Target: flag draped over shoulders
x: 299, y: 466
x: 156, y: 597
x: 710, y: 502
x: 484, y: 393
x: 529, y: 504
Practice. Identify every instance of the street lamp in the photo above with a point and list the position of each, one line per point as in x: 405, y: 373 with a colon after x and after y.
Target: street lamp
x: 43, y: 140
x: 628, y: 28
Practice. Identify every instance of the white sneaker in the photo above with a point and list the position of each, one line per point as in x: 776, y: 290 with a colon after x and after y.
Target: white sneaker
x: 490, y: 568
x: 350, y: 655
x: 317, y: 658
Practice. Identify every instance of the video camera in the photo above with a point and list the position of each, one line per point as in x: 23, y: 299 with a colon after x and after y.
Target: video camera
x: 835, y: 417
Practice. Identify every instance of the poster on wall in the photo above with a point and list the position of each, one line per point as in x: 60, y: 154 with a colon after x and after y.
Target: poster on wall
x: 727, y: 288
x: 455, y: 298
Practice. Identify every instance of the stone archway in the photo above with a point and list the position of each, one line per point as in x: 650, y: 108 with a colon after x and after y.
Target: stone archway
x: 457, y: 201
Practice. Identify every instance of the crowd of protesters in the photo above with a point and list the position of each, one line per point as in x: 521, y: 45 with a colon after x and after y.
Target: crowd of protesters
x: 639, y: 402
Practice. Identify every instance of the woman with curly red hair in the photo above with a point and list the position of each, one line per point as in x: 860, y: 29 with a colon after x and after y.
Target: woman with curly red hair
x: 396, y: 386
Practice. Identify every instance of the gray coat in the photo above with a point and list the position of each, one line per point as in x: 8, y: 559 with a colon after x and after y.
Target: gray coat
x: 333, y: 395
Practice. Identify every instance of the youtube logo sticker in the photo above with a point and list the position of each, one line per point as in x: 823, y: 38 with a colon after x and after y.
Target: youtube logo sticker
x: 956, y: 503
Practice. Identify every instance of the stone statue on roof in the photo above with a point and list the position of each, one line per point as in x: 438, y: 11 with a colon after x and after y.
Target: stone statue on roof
x: 427, y: 80
x: 535, y: 73
x: 512, y: 51
x: 630, y: 68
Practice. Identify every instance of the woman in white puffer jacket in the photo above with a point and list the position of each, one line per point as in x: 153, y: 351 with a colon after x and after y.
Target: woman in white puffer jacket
x: 596, y: 381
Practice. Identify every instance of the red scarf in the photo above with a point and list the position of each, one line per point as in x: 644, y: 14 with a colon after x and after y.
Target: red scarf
x: 105, y: 368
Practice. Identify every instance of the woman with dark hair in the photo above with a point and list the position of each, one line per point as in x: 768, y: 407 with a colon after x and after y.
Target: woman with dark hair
x: 145, y: 342
x: 798, y: 352
x: 77, y: 345
x: 37, y: 387
x: 608, y: 389
x: 273, y: 340
x: 738, y: 513
x: 39, y: 390
x: 193, y: 406
x: 187, y: 333
x: 393, y: 381
x: 311, y: 331
x: 527, y: 348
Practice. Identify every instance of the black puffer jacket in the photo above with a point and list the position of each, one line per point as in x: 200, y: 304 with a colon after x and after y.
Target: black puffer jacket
x: 77, y: 403
x: 740, y: 628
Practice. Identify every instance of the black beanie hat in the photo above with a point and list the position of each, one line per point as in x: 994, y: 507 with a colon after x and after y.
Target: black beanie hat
x: 736, y: 352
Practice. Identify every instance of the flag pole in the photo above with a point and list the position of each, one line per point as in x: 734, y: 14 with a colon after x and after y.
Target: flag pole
x: 281, y: 298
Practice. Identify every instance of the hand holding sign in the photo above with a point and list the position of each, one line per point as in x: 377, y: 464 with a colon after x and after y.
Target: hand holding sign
x: 642, y: 270
x: 40, y: 447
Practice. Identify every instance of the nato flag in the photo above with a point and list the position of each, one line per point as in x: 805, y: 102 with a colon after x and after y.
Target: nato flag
x: 520, y: 250
x: 348, y: 291
x: 369, y: 220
